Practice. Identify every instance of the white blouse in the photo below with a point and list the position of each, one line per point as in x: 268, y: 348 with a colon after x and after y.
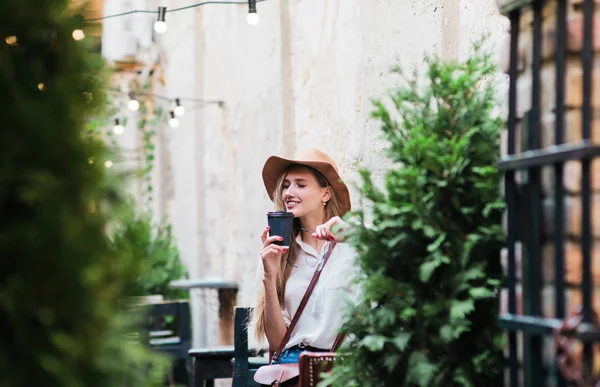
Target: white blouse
x: 323, y: 315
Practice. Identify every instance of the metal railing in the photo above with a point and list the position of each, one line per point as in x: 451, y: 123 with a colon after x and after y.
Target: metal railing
x: 524, y: 200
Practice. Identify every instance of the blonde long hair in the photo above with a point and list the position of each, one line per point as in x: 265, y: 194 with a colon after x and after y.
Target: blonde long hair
x: 332, y: 209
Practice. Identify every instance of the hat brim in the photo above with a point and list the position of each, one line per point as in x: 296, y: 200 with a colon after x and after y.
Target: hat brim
x: 275, y: 166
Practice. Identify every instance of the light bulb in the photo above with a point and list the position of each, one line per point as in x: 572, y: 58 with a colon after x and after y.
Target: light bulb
x: 173, y: 121
x: 252, y: 18
x: 11, y: 40
x: 179, y: 110
x: 108, y: 163
x: 160, y: 27
x: 118, y: 129
x: 78, y: 34
x: 133, y: 105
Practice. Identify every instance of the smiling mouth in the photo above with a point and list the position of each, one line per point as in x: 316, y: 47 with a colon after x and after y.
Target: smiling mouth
x: 291, y: 204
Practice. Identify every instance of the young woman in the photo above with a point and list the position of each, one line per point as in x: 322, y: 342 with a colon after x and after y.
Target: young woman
x: 310, y: 187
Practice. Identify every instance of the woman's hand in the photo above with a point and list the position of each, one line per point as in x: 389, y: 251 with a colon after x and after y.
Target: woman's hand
x: 271, y: 254
x: 324, y: 231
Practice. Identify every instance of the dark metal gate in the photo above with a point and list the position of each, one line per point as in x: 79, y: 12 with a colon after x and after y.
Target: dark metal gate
x: 525, y: 213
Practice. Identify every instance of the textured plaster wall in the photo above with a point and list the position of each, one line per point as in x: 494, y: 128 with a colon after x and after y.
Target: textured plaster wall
x: 303, y: 78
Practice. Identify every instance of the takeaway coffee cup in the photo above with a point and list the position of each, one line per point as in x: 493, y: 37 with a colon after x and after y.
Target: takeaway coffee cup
x: 281, y: 224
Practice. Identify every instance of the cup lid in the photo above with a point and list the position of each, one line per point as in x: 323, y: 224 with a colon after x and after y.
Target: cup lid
x: 280, y: 214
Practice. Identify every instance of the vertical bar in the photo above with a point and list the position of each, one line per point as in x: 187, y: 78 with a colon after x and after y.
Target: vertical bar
x: 532, y: 358
x: 559, y: 227
x: 511, y: 200
x: 586, y: 59
x: 534, y: 374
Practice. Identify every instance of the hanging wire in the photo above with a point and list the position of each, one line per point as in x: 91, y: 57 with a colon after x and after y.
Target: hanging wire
x: 168, y: 10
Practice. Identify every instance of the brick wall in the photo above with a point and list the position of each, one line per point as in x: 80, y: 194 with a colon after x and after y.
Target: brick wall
x: 572, y: 170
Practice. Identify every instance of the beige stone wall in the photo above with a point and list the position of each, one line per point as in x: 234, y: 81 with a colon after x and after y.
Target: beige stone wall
x: 303, y: 77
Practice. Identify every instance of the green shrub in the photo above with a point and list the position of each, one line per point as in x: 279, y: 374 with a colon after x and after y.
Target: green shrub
x: 429, y: 255
x: 61, y: 278
x: 153, y: 246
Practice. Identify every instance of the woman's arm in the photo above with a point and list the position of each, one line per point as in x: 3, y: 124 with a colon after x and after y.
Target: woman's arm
x: 271, y: 259
x: 275, y: 327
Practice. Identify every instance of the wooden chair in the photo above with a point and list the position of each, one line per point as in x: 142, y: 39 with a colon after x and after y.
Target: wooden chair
x: 244, y: 364
x: 228, y: 361
x: 168, y: 330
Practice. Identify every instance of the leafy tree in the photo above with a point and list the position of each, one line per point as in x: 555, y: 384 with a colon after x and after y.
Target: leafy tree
x: 61, y: 278
x: 429, y: 255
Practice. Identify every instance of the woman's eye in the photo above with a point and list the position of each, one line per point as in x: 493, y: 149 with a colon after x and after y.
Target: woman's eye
x: 301, y: 185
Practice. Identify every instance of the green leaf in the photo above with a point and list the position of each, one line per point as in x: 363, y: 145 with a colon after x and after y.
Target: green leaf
x: 427, y: 269
x: 401, y: 340
x: 480, y: 292
x: 374, y: 343
x: 460, y: 309
x: 407, y: 314
x: 420, y: 370
x: 446, y: 333
x: 438, y: 242
x: 390, y: 361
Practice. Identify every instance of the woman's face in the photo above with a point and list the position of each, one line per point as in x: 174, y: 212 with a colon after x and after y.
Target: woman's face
x: 302, y: 194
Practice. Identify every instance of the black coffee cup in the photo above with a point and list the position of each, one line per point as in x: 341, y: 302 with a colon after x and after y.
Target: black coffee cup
x: 281, y: 223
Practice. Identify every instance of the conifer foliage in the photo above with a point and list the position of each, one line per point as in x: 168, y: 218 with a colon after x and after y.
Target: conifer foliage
x: 429, y: 245
x: 61, y: 278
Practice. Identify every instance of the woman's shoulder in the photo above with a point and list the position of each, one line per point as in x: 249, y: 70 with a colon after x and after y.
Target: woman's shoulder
x: 346, y: 253
x: 346, y: 248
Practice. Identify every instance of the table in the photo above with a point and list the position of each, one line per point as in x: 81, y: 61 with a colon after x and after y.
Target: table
x: 214, y: 363
x: 227, y: 297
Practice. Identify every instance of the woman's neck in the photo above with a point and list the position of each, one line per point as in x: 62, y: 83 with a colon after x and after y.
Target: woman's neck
x: 310, y: 222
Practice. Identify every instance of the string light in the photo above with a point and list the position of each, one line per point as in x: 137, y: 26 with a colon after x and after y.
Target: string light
x: 160, y: 26
x: 108, y: 163
x: 78, y: 34
x: 171, y: 10
x: 41, y: 86
x: 252, y: 18
x: 118, y: 129
x: 11, y: 40
x: 179, y: 110
x: 173, y: 121
x: 133, y: 103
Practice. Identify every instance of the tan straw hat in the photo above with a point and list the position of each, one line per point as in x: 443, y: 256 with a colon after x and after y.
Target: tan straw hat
x: 275, y: 166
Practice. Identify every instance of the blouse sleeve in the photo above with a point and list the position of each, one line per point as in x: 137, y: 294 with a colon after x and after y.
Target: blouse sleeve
x: 286, y: 317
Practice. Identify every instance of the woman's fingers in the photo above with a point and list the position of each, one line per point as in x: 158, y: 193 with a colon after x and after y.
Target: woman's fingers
x: 264, y: 235
x: 272, y: 249
x: 320, y: 231
x: 268, y: 241
x: 324, y: 231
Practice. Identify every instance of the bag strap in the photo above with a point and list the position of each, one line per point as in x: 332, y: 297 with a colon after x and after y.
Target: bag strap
x: 309, y: 290
x: 338, y: 341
